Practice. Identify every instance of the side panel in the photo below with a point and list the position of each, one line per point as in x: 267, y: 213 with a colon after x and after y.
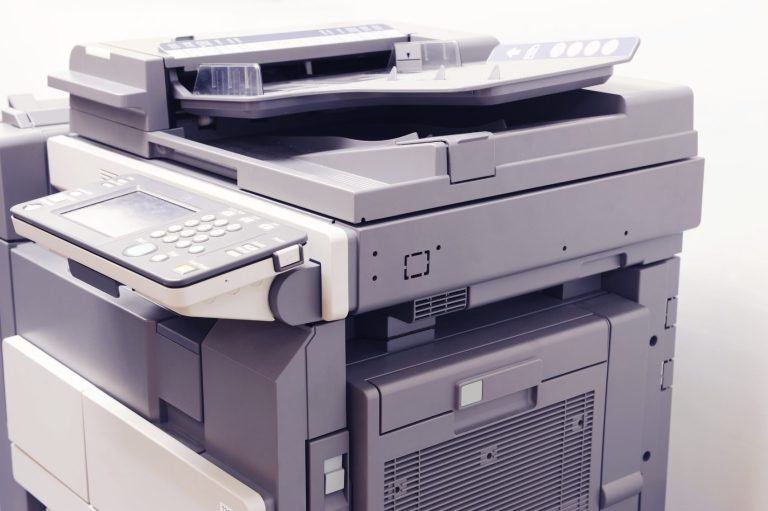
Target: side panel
x: 625, y: 400
x: 655, y: 287
x: 258, y: 382
x: 23, y: 169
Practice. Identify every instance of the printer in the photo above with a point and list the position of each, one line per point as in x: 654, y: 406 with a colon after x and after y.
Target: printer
x: 365, y: 267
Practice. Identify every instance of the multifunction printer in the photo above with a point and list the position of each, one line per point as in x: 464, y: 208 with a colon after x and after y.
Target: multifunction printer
x: 364, y: 267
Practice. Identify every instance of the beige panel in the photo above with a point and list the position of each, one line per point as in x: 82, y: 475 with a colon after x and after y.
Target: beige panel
x: 134, y: 465
x: 43, y: 485
x: 45, y: 412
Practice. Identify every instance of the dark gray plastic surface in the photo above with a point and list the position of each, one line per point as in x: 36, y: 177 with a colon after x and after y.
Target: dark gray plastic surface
x: 421, y: 384
x: 110, y: 341
x: 269, y: 388
x: 23, y: 169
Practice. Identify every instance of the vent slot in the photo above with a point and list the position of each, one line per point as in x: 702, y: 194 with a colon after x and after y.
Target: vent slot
x: 538, y: 461
x: 439, y: 304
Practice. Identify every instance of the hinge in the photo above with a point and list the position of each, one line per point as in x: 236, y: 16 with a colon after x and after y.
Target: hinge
x: 667, y: 374
x: 671, y: 313
x: 470, y: 155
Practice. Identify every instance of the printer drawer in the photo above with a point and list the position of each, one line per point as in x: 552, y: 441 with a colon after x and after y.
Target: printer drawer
x: 74, y: 444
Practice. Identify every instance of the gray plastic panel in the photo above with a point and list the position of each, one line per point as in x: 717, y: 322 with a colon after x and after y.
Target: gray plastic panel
x: 419, y: 256
x: 23, y: 169
x: 467, y: 454
x: 609, y: 128
x: 653, y: 286
x: 7, y: 319
x: 109, y: 341
x: 259, y: 379
x: 12, y: 496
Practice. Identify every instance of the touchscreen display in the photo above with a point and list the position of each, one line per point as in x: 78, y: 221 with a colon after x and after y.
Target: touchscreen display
x: 126, y: 214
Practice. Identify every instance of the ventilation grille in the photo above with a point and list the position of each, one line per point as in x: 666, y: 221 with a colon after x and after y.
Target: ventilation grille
x: 437, y: 305
x: 539, y: 461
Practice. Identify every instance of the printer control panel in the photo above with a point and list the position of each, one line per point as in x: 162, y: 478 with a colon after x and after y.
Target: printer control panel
x: 170, y: 235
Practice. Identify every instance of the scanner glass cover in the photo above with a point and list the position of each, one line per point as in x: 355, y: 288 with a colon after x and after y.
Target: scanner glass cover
x: 127, y: 213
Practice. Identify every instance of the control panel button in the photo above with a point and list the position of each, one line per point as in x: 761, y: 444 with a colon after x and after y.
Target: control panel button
x: 140, y: 249
x: 175, y: 228
x: 218, y: 232
x: 58, y: 198
x: 234, y: 227
x: 192, y: 223
x: 187, y: 233
x: 184, y: 269
x: 267, y: 227
x: 107, y: 185
x: 32, y: 207
x: 197, y: 249
x: 208, y: 218
x: 204, y: 228
x: 159, y: 258
x: 228, y: 212
x: 122, y: 182
x: 200, y: 238
x: 221, y: 222
x: 288, y: 257
x: 183, y: 244
x: 171, y: 238
x: 233, y: 253
x: 157, y: 234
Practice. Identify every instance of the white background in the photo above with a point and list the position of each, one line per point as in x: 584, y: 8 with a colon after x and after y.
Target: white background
x: 719, y: 454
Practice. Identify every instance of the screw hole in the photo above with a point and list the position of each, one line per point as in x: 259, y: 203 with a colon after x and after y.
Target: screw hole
x: 646, y: 455
x: 375, y: 278
x: 439, y: 247
x: 397, y: 489
x: 626, y: 233
x: 489, y: 456
x: 565, y: 247
x: 653, y: 341
x: 375, y: 253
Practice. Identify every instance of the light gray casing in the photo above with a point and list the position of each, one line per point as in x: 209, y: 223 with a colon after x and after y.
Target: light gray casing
x: 26, y: 125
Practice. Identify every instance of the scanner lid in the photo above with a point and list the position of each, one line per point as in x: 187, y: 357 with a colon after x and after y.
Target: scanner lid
x: 268, y: 75
x: 272, y: 74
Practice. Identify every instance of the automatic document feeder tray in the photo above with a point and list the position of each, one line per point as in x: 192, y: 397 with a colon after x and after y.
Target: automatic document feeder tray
x: 170, y: 244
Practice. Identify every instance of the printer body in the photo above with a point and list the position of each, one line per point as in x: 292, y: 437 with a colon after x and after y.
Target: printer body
x: 371, y: 268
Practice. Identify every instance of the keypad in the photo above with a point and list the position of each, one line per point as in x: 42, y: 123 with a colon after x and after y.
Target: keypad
x: 192, y: 236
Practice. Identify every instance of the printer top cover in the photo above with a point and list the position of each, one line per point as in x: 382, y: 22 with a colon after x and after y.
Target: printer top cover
x: 373, y: 121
